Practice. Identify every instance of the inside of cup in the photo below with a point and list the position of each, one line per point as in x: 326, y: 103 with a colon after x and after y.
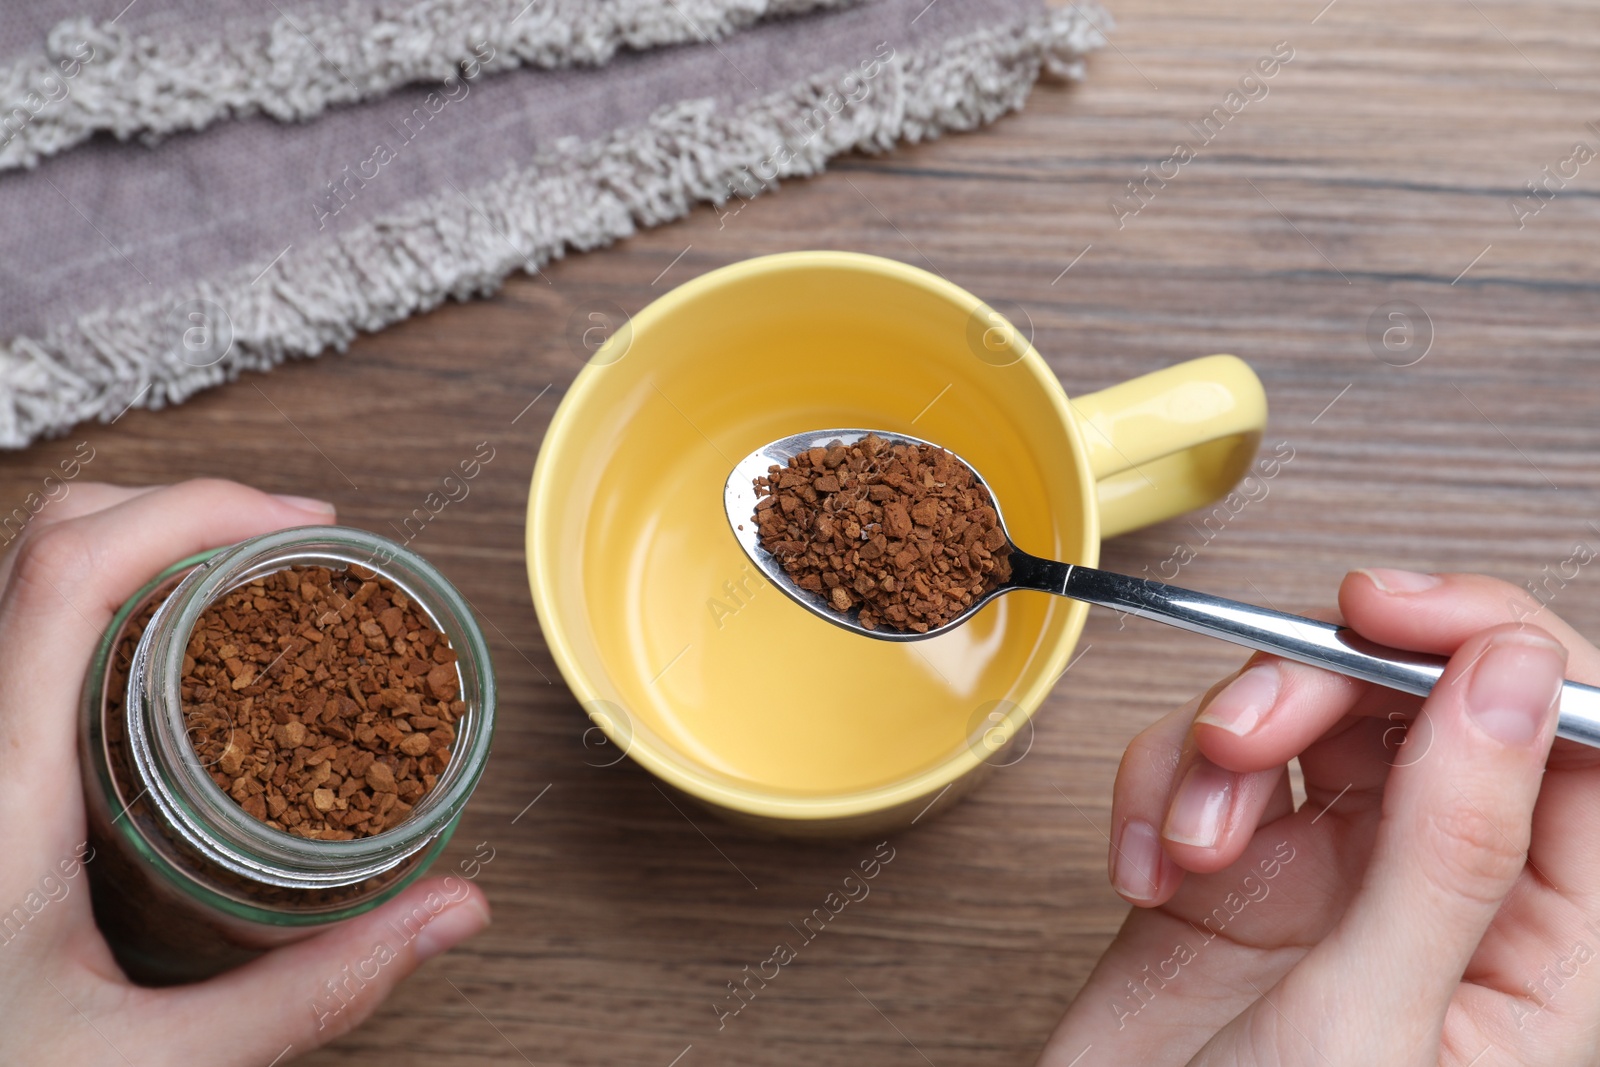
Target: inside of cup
x: 691, y: 656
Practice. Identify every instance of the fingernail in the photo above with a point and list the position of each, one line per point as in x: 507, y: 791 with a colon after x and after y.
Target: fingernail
x: 1201, y: 806
x: 306, y: 503
x: 1245, y: 701
x: 1514, y: 683
x: 1136, y: 868
x: 1389, y: 580
x: 451, y: 927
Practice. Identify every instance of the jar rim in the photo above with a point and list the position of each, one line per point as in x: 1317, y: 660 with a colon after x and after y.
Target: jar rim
x: 214, y: 822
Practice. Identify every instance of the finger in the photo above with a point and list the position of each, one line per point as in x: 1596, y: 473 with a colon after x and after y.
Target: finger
x: 1280, y: 802
x: 1272, y: 712
x: 1155, y: 837
x: 1450, y: 846
x: 1277, y: 708
x: 1437, y: 612
x: 1349, y: 769
x: 1344, y: 733
x: 79, y: 500
x: 1213, y: 812
x: 1141, y: 871
x: 302, y: 996
x: 68, y: 580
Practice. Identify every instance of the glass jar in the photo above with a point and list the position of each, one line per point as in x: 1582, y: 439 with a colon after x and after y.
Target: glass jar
x: 185, y: 882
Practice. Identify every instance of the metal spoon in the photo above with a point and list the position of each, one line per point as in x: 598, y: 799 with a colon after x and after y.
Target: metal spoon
x: 1320, y: 644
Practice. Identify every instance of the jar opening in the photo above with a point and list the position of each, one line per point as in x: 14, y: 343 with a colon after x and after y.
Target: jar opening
x: 180, y: 785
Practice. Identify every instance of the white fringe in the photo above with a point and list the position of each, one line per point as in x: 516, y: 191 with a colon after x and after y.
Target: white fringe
x: 94, y: 77
x: 583, y: 196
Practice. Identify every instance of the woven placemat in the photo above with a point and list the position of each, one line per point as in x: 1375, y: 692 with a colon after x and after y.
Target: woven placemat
x: 137, y: 273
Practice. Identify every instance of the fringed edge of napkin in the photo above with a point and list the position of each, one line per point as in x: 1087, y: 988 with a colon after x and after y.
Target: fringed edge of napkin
x: 583, y: 196
x: 94, y: 77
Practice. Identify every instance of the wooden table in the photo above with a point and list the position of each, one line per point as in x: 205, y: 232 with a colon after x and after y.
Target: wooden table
x: 1381, y: 166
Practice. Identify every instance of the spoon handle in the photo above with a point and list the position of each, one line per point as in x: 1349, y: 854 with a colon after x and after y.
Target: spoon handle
x: 1321, y: 644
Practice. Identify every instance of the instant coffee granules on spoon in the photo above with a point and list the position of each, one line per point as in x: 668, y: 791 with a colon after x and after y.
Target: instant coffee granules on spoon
x: 323, y: 704
x: 901, y: 532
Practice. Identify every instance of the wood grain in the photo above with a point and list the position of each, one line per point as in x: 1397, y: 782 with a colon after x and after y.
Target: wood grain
x: 1380, y: 166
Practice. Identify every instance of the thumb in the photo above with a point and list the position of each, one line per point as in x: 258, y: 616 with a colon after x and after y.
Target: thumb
x: 1451, y: 844
x: 304, y: 995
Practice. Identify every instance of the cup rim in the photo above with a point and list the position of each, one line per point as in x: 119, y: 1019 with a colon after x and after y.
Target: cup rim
x: 563, y: 432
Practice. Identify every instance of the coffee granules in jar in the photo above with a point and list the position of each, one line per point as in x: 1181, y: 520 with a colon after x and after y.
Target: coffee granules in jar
x: 187, y: 881
x: 323, y: 704
x: 901, y: 532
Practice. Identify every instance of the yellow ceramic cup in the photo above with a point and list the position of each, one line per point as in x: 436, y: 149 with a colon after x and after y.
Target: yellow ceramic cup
x: 687, y: 662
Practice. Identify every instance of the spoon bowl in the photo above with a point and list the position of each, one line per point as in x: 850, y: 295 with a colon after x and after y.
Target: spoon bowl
x: 739, y: 498
x: 1310, y: 641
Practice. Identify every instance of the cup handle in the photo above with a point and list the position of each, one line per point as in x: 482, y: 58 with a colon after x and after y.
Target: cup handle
x: 1171, y: 441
